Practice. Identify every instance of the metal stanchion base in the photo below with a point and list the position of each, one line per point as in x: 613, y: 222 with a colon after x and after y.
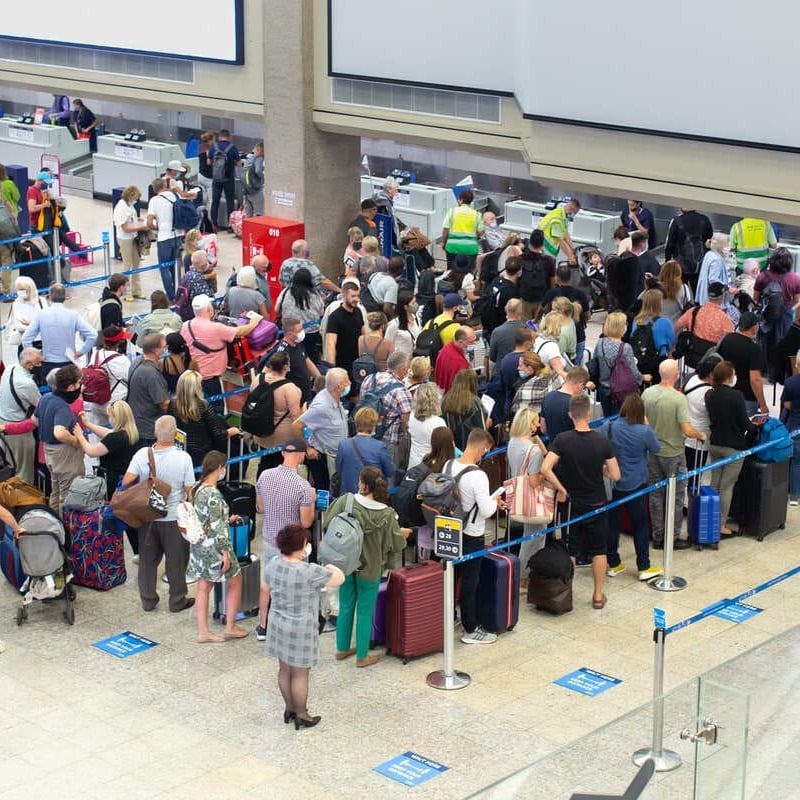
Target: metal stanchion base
x: 667, y: 761
x: 665, y: 584
x: 458, y: 680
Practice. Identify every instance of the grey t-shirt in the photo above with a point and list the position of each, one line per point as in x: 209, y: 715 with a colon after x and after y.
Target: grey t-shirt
x: 146, y: 389
x: 242, y: 299
x: 383, y: 288
x: 173, y: 466
x: 502, y: 340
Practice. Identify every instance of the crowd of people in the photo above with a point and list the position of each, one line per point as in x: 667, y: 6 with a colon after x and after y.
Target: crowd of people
x: 390, y: 368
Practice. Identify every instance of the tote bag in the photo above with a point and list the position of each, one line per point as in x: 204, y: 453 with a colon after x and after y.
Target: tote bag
x: 528, y: 504
x: 145, y: 501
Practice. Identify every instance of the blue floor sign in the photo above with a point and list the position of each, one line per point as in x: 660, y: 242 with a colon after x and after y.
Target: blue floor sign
x: 587, y: 681
x: 124, y: 644
x: 738, y: 612
x: 410, y: 769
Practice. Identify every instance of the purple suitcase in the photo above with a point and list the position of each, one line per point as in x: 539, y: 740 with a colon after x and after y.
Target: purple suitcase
x: 96, y: 550
x: 378, y: 635
x: 498, y: 592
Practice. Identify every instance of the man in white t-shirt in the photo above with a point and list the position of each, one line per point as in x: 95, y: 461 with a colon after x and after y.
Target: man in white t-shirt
x: 478, y: 501
x: 169, y: 240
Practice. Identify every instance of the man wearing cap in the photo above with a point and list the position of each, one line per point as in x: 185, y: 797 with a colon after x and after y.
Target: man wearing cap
x: 708, y: 322
x: 452, y: 357
x: 168, y: 240
x: 742, y: 351
x: 446, y: 322
x: 173, y: 178
x: 284, y: 498
x: 57, y: 326
x: 208, y: 343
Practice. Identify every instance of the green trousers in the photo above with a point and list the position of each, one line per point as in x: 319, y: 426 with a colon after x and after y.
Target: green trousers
x: 357, y: 598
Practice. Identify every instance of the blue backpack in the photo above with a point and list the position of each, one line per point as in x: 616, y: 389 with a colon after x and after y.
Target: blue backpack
x: 773, y: 430
x: 185, y: 214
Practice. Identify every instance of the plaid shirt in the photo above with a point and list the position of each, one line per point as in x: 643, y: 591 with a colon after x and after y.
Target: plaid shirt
x: 396, y: 402
x: 283, y: 493
x: 532, y: 391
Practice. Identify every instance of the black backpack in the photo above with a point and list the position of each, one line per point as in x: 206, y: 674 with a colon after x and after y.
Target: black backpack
x: 534, y: 278
x: 405, y: 502
x: 363, y: 366
x: 644, y: 349
x: 772, y: 305
x: 490, y: 265
x: 258, y: 412
x: 429, y: 342
x: 367, y: 299
x: 219, y: 164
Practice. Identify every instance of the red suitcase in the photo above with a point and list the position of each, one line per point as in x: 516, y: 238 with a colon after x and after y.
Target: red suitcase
x: 96, y: 550
x: 415, y: 610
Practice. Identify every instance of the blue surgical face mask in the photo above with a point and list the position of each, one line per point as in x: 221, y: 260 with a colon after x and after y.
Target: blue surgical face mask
x: 345, y: 391
x: 522, y: 373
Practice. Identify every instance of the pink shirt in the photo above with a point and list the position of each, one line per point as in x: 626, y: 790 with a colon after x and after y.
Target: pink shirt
x: 215, y: 336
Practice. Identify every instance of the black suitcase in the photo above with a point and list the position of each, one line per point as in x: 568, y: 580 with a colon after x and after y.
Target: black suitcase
x: 241, y: 500
x: 760, y: 497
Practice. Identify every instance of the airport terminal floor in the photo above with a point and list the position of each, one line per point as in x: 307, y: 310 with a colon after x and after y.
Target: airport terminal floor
x: 184, y: 720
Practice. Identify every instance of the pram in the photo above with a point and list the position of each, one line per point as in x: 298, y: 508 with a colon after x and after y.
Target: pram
x: 592, y: 278
x: 44, y: 558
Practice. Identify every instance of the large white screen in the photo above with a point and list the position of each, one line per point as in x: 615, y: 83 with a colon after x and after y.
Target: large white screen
x: 719, y: 69
x: 204, y: 30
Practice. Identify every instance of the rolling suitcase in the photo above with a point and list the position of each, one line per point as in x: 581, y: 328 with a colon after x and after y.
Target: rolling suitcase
x: 415, y: 610
x: 760, y: 497
x: 703, y: 520
x: 550, y: 573
x: 378, y: 635
x: 498, y: 592
x: 251, y: 585
x: 9, y: 559
x: 241, y: 500
x: 96, y: 548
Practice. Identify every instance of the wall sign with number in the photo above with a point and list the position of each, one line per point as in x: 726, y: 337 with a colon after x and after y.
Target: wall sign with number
x: 447, y: 537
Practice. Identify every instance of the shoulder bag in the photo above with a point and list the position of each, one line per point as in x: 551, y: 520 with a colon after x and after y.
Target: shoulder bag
x: 143, y: 502
x: 533, y: 505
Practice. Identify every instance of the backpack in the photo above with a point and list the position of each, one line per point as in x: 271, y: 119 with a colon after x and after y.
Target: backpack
x: 533, y: 280
x: 258, y: 412
x: 343, y: 540
x: 772, y: 305
x: 92, y: 312
x: 183, y: 303
x: 252, y: 182
x: 622, y: 381
x: 86, y: 493
x: 31, y: 249
x: 439, y: 495
x: 644, y: 349
x: 219, y: 164
x: 490, y: 265
x: 773, y: 430
x: 363, y: 366
x: 691, y: 347
x: 692, y: 251
x: 96, y: 382
x: 185, y: 214
x: 405, y: 500
x: 367, y: 299
x: 429, y: 342
x: 373, y: 398
x: 8, y: 222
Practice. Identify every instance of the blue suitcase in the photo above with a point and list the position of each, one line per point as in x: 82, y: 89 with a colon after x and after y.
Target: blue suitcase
x: 240, y: 535
x: 378, y: 635
x: 703, y: 519
x: 9, y: 559
x: 498, y: 592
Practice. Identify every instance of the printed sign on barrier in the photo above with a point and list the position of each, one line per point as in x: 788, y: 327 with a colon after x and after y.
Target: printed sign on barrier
x: 410, y: 769
x: 588, y: 682
x: 447, y: 537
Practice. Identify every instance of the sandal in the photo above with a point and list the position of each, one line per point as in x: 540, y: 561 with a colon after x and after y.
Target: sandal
x: 236, y: 633
x: 598, y: 604
x: 209, y: 638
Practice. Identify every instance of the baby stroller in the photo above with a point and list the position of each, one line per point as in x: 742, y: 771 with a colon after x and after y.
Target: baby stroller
x: 593, y: 278
x: 44, y: 558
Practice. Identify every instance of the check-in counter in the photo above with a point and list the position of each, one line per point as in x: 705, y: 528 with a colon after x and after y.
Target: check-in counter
x: 416, y: 204
x: 118, y: 162
x: 522, y: 216
x: 794, y: 249
x: 25, y: 144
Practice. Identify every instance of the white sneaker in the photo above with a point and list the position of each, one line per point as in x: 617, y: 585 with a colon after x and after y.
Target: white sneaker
x: 650, y: 572
x: 479, y: 636
x: 794, y: 501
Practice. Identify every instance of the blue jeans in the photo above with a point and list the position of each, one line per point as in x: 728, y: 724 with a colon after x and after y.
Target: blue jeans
x: 167, y: 253
x: 794, y: 472
x: 641, y: 539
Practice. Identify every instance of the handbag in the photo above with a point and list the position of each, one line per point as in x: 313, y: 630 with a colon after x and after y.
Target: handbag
x: 533, y: 505
x: 142, y: 502
x: 189, y: 523
x: 15, y: 493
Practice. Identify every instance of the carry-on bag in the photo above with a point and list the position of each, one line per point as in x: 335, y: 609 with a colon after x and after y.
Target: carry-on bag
x: 550, y: 574
x: 96, y: 547
x: 241, y: 500
x: 415, y: 610
x: 378, y: 635
x: 9, y: 559
x: 498, y: 592
x: 761, y: 496
x: 704, y: 511
x: 250, y: 565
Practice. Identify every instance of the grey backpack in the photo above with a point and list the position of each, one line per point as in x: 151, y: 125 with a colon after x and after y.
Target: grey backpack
x: 86, y: 494
x: 343, y: 540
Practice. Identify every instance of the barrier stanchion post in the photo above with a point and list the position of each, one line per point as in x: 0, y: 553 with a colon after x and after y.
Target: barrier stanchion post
x: 448, y: 677
x: 106, y: 239
x: 664, y: 760
x: 667, y: 582
x: 56, y: 255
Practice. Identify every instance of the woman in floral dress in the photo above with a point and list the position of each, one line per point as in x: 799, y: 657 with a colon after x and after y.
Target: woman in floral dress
x: 213, y: 558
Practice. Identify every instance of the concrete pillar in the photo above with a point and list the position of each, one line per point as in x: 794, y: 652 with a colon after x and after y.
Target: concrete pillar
x: 310, y: 175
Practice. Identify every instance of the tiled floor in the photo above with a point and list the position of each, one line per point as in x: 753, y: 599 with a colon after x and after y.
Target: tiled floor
x: 183, y: 719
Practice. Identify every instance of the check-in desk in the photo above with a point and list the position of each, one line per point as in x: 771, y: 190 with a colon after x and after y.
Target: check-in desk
x: 416, y: 204
x: 118, y: 162
x: 522, y: 216
x: 25, y: 144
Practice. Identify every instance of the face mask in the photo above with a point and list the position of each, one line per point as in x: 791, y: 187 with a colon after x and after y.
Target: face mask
x: 493, y: 224
x: 69, y: 397
x: 301, y: 336
x: 522, y: 373
x: 307, y: 549
x: 22, y: 294
x: 413, y: 308
x: 357, y: 246
x: 222, y: 472
x: 345, y: 391
x: 570, y: 217
x: 470, y: 351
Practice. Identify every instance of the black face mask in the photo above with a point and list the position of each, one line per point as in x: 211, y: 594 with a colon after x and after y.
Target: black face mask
x: 69, y: 397
x: 357, y: 246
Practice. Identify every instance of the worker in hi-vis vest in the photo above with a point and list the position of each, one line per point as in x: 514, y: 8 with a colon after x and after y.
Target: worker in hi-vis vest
x: 462, y: 228
x: 555, y: 226
x: 752, y: 238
